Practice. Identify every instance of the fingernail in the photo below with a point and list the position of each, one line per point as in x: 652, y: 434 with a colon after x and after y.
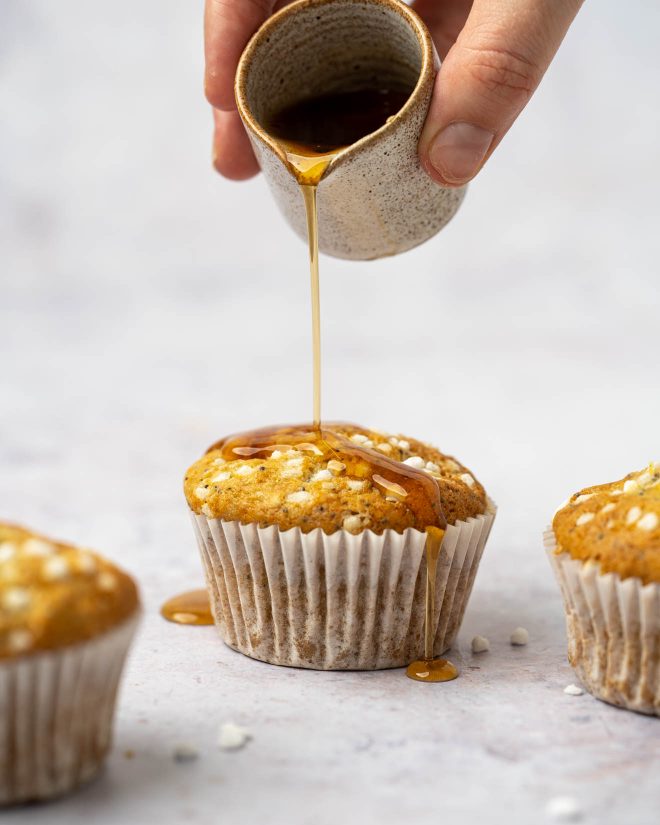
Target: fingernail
x: 457, y: 152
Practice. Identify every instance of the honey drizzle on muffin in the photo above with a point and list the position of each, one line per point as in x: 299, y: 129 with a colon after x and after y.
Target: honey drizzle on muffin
x: 419, y: 489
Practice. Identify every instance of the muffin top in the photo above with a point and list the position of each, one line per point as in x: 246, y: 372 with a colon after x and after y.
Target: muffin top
x: 345, y: 477
x: 616, y: 525
x: 53, y: 595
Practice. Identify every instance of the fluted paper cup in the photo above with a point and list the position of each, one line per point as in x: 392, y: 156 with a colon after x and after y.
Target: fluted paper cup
x: 338, y: 601
x: 56, y: 715
x: 613, y: 628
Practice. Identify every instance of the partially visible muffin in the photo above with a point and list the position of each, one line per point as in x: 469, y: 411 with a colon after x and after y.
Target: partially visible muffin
x: 66, y: 620
x: 605, y: 548
x: 314, y: 550
x: 616, y: 525
x: 299, y: 487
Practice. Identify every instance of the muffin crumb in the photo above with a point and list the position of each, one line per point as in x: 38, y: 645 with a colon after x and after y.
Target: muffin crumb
x: 233, y: 737
x: 519, y: 637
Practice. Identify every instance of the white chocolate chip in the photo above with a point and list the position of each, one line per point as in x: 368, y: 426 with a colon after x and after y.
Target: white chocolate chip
x: 19, y: 640
x: 106, y: 581
x: 585, y: 518
x: 608, y: 507
x: 292, y: 472
x: 563, y: 809
x: 352, y: 523
x: 55, y: 568
x: 220, y: 478
x: 276, y: 454
x: 519, y: 637
x: 573, y: 690
x: 328, y: 485
x: 232, y: 737
x: 415, y: 461
x: 38, y: 547
x: 7, y: 551
x: 394, y: 441
x: 86, y: 562
x: 630, y: 486
x: 202, y: 492
x: 644, y: 479
x: 452, y: 465
x: 355, y: 484
x: 649, y: 521
x: 336, y: 467
x: 321, y: 475
x: 219, y: 462
x: 466, y: 478
x: 583, y: 497
x: 15, y: 599
x: 384, y: 448
x: 480, y: 644
x: 432, y: 467
x: 403, y: 444
x: 633, y: 514
x: 358, y: 438
x: 616, y: 492
x: 245, y: 470
x: 299, y: 497
x: 295, y: 462
x: 207, y: 511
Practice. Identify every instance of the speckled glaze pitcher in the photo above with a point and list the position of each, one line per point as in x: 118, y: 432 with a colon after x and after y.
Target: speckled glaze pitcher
x: 374, y: 198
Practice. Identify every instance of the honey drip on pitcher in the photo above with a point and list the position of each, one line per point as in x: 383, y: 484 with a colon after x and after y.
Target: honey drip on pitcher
x: 192, y: 607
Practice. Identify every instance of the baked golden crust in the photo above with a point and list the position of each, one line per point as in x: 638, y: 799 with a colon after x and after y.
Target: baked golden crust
x: 299, y: 488
x: 53, y: 595
x: 616, y: 525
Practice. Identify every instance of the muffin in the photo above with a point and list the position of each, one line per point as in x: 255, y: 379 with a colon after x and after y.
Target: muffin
x: 67, y: 617
x: 604, y: 546
x: 313, y: 546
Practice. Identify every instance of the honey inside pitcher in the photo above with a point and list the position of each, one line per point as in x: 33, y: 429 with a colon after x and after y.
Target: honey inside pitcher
x: 335, y: 120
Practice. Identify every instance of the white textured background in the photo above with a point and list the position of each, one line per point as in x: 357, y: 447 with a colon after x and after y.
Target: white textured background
x: 148, y: 307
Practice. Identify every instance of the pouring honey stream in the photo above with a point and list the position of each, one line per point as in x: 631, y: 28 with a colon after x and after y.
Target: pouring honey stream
x: 310, y: 135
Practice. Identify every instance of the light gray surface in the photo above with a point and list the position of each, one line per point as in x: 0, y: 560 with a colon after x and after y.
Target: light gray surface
x: 148, y: 307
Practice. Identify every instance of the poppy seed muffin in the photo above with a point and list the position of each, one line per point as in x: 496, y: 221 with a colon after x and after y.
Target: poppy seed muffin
x: 605, y: 548
x: 313, y: 543
x: 67, y: 617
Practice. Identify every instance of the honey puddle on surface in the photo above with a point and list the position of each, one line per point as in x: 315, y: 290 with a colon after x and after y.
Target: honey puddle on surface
x: 191, y: 607
x: 311, y: 134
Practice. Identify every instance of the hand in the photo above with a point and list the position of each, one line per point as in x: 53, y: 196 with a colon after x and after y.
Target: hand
x: 494, y: 53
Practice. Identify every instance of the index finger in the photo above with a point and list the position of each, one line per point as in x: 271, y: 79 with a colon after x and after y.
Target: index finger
x: 228, y: 25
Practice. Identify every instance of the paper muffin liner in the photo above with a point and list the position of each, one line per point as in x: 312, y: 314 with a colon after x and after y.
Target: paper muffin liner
x: 339, y: 601
x: 56, y: 715
x: 613, y: 628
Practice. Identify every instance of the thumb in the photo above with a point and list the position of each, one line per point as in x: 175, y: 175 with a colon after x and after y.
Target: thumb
x: 486, y: 80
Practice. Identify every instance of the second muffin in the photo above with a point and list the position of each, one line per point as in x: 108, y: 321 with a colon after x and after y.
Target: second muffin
x: 605, y: 549
x: 317, y: 562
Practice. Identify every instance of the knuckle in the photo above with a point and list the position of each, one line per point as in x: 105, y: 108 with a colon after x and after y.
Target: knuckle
x: 504, y: 72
